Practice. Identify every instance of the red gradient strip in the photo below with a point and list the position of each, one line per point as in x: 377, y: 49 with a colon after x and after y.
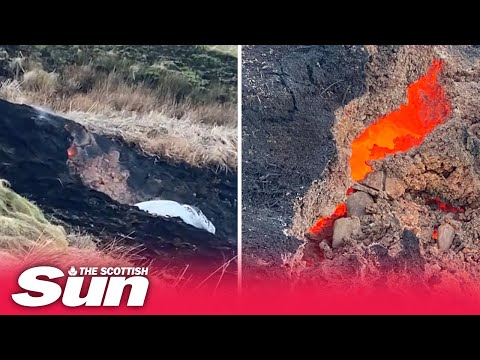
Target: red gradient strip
x: 267, y: 299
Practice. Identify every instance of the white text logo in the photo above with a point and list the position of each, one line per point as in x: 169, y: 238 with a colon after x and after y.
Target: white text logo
x: 106, y: 287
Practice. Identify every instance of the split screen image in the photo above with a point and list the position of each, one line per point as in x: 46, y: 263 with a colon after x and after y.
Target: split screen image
x: 359, y: 163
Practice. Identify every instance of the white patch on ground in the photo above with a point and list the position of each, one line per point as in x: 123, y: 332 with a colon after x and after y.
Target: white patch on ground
x: 167, y: 208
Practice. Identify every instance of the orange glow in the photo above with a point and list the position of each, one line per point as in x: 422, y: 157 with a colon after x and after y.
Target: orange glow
x: 444, y: 206
x: 435, y: 234
x: 323, y: 228
x: 72, y: 151
x: 427, y: 107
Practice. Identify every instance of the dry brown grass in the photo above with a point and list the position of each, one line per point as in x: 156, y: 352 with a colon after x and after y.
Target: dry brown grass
x: 201, y: 135
x: 182, y: 139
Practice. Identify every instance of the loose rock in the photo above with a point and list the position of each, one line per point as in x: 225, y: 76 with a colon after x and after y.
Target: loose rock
x: 374, y: 180
x: 357, y: 203
x: 366, y: 189
x: 327, y: 250
x: 446, y: 233
x: 394, y: 187
x: 343, y: 228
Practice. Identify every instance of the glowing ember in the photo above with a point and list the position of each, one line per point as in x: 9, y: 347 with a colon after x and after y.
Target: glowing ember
x: 427, y: 107
x: 350, y: 190
x: 444, y: 206
x: 72, y: 151
x: 323, y: 228
x: 435, y: 234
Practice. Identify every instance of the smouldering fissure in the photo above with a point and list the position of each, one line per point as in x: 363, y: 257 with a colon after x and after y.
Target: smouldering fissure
x: 426, y: 108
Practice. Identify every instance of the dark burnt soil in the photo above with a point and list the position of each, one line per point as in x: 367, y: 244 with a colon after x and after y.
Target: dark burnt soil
x: 33, y: 158
x: 290, y: 94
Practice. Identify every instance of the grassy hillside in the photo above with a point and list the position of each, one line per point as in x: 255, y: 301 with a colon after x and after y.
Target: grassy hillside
x: 176, y: 101
x: 201, y: 73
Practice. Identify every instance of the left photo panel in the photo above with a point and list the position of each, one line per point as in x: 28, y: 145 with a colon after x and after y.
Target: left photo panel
x: 117, y: 163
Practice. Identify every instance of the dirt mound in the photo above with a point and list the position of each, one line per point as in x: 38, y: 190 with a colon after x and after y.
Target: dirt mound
x: 421, y: 224
x: 444, y: 167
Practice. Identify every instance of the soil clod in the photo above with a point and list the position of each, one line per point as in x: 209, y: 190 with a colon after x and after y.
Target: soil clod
x: 374, y: 180
x: 394, y: 187
x: 357, y: 203
x: 344, y: 228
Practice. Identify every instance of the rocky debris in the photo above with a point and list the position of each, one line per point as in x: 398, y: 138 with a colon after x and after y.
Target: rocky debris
x: 344, y: 228
x: 374, y: 180
x: 327, y: 250
x: 358, y: 202
x: 366, y: 189
x: 394, y: 187
x: 410, y: 257
x: 446, y: 233
x: 104, y: 174
x: 379, y: 253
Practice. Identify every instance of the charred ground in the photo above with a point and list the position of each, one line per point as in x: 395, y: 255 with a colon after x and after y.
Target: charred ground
x: 33, y: 158
x: 290, y: 94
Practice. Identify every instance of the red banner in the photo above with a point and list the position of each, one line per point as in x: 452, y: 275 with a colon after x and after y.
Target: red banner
x: 47, y: 290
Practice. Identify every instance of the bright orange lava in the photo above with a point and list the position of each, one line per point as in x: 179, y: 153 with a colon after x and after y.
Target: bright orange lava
x: 427, y: 106
x: 435, y: 234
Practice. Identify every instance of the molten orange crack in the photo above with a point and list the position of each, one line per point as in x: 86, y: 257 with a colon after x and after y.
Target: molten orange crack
x: 444, y: 206
x: 435, y: 234
x: 427, y: 107
x: 323, y: 228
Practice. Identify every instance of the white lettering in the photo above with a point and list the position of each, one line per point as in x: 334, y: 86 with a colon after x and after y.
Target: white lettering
x: 73, y: 288
x: 137, y: 293
x: 50, y: 291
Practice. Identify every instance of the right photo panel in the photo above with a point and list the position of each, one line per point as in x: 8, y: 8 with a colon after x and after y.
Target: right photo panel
x: 361, y: 167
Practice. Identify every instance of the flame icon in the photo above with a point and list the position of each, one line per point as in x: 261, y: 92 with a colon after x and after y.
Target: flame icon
x: 72, y: 271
